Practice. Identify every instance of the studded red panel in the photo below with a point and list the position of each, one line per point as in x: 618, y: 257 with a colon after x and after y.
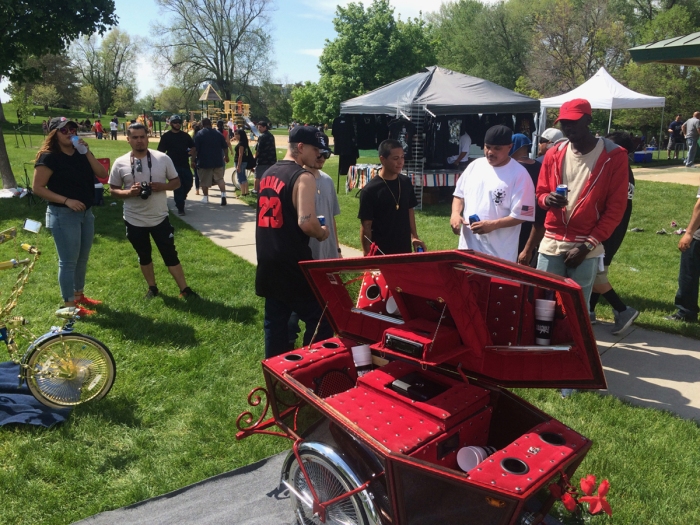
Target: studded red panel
x: 303, y: 357
x: 315, y: 374
x: 529, y: 459
x: 394, y: 424
x: 443, y: 451
x: 451, y: 407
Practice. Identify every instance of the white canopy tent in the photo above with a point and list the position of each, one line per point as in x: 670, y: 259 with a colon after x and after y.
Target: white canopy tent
x: 604, y: 92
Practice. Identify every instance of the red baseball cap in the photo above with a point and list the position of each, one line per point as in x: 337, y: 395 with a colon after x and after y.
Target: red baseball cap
x: 574, y: 109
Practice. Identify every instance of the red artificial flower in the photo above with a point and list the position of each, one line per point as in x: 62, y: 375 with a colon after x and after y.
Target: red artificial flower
x: 555, y: 490
x: 588, y: 485
x: 598, y: 503
x: 569, y: 502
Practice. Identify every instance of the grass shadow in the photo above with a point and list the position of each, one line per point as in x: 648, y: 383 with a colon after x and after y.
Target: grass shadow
x: 117, y: 409
x: 212, y: 309
x: 139, y: 328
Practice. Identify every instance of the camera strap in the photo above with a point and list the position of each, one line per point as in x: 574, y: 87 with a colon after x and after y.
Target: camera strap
x: 148, y: 161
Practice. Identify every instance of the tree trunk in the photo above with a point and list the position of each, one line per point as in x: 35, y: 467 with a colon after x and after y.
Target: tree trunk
x: 8, y: 178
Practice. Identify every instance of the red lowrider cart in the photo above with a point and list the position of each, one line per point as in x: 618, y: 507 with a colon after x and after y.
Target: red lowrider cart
x: 447, y: 331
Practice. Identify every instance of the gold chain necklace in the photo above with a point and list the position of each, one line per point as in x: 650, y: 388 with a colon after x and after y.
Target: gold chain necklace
x: 392, y: 193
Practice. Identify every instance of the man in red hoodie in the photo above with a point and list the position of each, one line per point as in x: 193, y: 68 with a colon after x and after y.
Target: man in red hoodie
x: 596, y: 173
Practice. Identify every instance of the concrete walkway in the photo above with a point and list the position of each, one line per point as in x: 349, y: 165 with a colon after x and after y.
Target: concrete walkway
x: 674, y: 174
x: 644, y: 367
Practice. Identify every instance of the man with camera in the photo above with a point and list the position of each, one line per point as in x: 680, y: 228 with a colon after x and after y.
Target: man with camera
x: 141, y: 178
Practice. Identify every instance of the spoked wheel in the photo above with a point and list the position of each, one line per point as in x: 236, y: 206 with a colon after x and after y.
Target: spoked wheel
x: 330, y: 477
x: 69, y: 369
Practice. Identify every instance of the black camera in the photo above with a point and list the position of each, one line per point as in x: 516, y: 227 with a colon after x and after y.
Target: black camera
x: 145, y: 190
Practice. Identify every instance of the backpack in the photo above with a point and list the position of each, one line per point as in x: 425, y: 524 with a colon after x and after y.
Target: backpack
x: 249, y: 159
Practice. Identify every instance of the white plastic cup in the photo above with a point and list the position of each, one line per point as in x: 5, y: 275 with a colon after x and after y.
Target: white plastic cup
x: 470, y: 457
x: 361, y: 355
x: 544, y: 320
x: 391, y: 307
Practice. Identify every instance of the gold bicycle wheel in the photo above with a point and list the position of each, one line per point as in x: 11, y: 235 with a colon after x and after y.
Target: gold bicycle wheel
x: 68, y: 370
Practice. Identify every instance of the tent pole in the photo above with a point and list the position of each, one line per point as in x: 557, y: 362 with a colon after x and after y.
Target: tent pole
x: 661, y: 130
x: 610, y: 121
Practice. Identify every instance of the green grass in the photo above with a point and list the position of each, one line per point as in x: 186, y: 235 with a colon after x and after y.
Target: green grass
x: 184, y: 370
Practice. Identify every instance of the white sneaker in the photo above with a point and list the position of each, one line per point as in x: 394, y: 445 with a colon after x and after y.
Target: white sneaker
x: 205, y: 199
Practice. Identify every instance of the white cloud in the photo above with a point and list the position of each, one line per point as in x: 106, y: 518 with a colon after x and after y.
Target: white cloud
x: 311, y: 52
x: 406, y: 8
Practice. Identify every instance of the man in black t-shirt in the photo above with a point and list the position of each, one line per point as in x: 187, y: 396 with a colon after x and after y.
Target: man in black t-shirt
x: 675, y: 136
x: 178, y: 145
x: 265, y: 152
x: 386, y: 206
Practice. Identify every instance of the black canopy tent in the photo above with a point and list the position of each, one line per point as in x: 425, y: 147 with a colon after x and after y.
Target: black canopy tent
x: 442, y: 92
x: 437, y: 92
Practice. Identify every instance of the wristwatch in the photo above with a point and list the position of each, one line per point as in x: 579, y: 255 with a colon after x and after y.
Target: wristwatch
x: 589, y: 246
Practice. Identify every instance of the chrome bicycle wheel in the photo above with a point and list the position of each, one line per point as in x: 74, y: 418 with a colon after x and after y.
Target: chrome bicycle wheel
x: 69, y: 369
x: 330, y: 478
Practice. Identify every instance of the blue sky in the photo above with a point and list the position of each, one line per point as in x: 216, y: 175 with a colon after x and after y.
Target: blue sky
x: 299, y: 31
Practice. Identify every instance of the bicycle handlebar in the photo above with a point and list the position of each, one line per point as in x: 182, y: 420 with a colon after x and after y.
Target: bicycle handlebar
x: 13, y: 263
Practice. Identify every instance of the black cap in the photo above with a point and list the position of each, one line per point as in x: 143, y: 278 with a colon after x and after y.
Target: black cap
x: 310, y: 136
x: 264, y: 122
x: 499, y: 136
x: 176, y: 118
x: 60, y: 122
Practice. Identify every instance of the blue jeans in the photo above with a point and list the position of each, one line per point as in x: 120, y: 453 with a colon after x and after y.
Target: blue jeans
x: 584, y: 274
x: 688, y: 279
x: 72, y: 232
x: 241, y: 174
x: 692, y: 150
x: 277, y: 315
x: 180, y: 194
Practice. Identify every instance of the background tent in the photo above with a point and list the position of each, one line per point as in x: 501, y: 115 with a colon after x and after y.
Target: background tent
x: 604, y: 92
x: 681, y: 50
x: 441, y: 92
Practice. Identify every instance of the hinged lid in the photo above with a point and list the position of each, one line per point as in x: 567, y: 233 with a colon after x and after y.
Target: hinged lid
x: 489, y: 301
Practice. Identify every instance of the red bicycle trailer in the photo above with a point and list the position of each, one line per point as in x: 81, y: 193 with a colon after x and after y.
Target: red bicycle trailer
x: 447, y: 331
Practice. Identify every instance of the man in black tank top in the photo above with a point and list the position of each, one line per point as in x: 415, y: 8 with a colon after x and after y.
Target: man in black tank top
x: 286, y: 218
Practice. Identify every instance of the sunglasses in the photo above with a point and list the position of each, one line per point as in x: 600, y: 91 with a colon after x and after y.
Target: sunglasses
x: 324, y: 153
x: 68, y: 131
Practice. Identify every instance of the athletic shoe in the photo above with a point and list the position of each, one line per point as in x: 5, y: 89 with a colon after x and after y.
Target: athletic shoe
x: 83, y: 312
x: 592, y: 317
x: 205, y: 199
x: 181, y: 212
x: 623, y: 320
x: 151, y: 293
x: 87, y: 301
x: 679, y: 317
x: 188, y: 293
x: 223, y: 201
x: 253, y: 192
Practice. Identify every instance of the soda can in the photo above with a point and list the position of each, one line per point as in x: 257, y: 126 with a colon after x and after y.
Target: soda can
x: 321, y: 219
x: 474, y: 218
x: 563, y: 190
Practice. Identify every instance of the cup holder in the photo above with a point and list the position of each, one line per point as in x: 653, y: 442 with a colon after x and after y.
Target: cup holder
x: 293, y: 357
x: 514, y: 466
x: 373, y: 292
x: 330, y: 344
x: 553, y: 439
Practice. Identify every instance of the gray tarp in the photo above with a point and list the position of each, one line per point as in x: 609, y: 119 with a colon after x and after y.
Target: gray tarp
x: 443, y: 92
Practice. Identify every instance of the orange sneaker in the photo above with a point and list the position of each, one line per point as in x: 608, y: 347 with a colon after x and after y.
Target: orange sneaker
x: 84, y: 312
x: 87, y: 301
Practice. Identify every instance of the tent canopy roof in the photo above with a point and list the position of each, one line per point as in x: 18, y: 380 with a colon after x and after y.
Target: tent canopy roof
x: 604, y: 92
x: 443, y: 92
x: 210, y: 94
x: 682, y: 50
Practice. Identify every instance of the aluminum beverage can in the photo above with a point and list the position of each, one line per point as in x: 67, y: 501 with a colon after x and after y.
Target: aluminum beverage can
x: 563, y: 190
x: 321, y: 219
x: 474, y: 218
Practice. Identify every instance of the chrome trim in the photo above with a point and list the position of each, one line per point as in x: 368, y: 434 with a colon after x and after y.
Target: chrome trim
x: 381, y: 317
x: 472, y: 269
x: 530, y: 348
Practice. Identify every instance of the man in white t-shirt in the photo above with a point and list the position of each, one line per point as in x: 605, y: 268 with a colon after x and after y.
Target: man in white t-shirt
x: 499, y: 191
x: 113, y: 128
x: 141, y: 178
x: 465, y: 142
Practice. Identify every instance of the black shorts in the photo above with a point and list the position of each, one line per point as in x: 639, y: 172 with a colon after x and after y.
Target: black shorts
x: 613, y: 243
x: 163, y: 235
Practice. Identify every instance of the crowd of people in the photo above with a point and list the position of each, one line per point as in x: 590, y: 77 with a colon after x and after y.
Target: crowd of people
x: 565, y: 212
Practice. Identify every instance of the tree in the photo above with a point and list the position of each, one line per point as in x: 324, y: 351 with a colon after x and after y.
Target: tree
x: 31, y: 28
x: 54, y: 70
x: 307, y: 102
x: 107, y: 65
x: 88, y: 98
x: 171, y: 99
x: 225, y: 42
x: 277, y: 100
x: 572, y: 41
x: 372, y: 49
x: 45, y: 95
